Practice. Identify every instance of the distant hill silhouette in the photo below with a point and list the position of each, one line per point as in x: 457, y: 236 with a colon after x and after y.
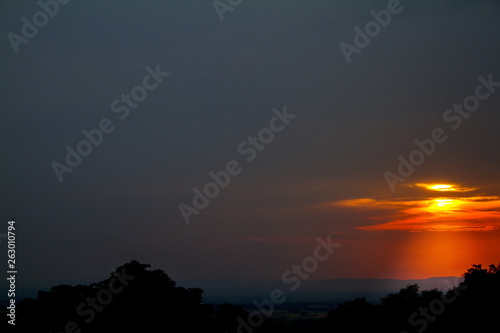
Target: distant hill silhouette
x: 333, y: 291
x: 137, y: 299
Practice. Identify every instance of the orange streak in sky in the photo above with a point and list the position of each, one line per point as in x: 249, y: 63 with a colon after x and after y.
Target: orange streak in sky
x: 444, y: 214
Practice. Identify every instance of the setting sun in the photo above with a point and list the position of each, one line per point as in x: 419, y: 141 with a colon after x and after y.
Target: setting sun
x: 456, y: 212
x: 441, y: 204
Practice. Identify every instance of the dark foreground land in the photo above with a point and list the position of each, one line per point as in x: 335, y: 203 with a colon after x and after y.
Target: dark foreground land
x: 137, y: 299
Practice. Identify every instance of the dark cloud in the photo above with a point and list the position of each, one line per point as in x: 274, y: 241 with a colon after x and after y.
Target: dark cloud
x: 353, y: 121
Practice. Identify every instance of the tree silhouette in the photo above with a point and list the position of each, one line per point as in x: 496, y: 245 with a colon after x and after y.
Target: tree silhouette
x: 146, y: 301
x: 137, y: 299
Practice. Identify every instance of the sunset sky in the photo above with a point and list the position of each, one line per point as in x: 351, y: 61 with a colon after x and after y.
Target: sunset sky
x: 321, y: 171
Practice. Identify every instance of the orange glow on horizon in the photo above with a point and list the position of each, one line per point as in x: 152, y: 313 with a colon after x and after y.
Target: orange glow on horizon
x: 443, y: 254
x: 429, y: 230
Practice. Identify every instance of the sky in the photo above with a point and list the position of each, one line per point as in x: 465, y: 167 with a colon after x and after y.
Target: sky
x: 306, y: 138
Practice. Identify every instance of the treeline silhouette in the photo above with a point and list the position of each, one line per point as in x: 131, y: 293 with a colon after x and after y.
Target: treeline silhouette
x: 137, y: 299
x: 472, y: 306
